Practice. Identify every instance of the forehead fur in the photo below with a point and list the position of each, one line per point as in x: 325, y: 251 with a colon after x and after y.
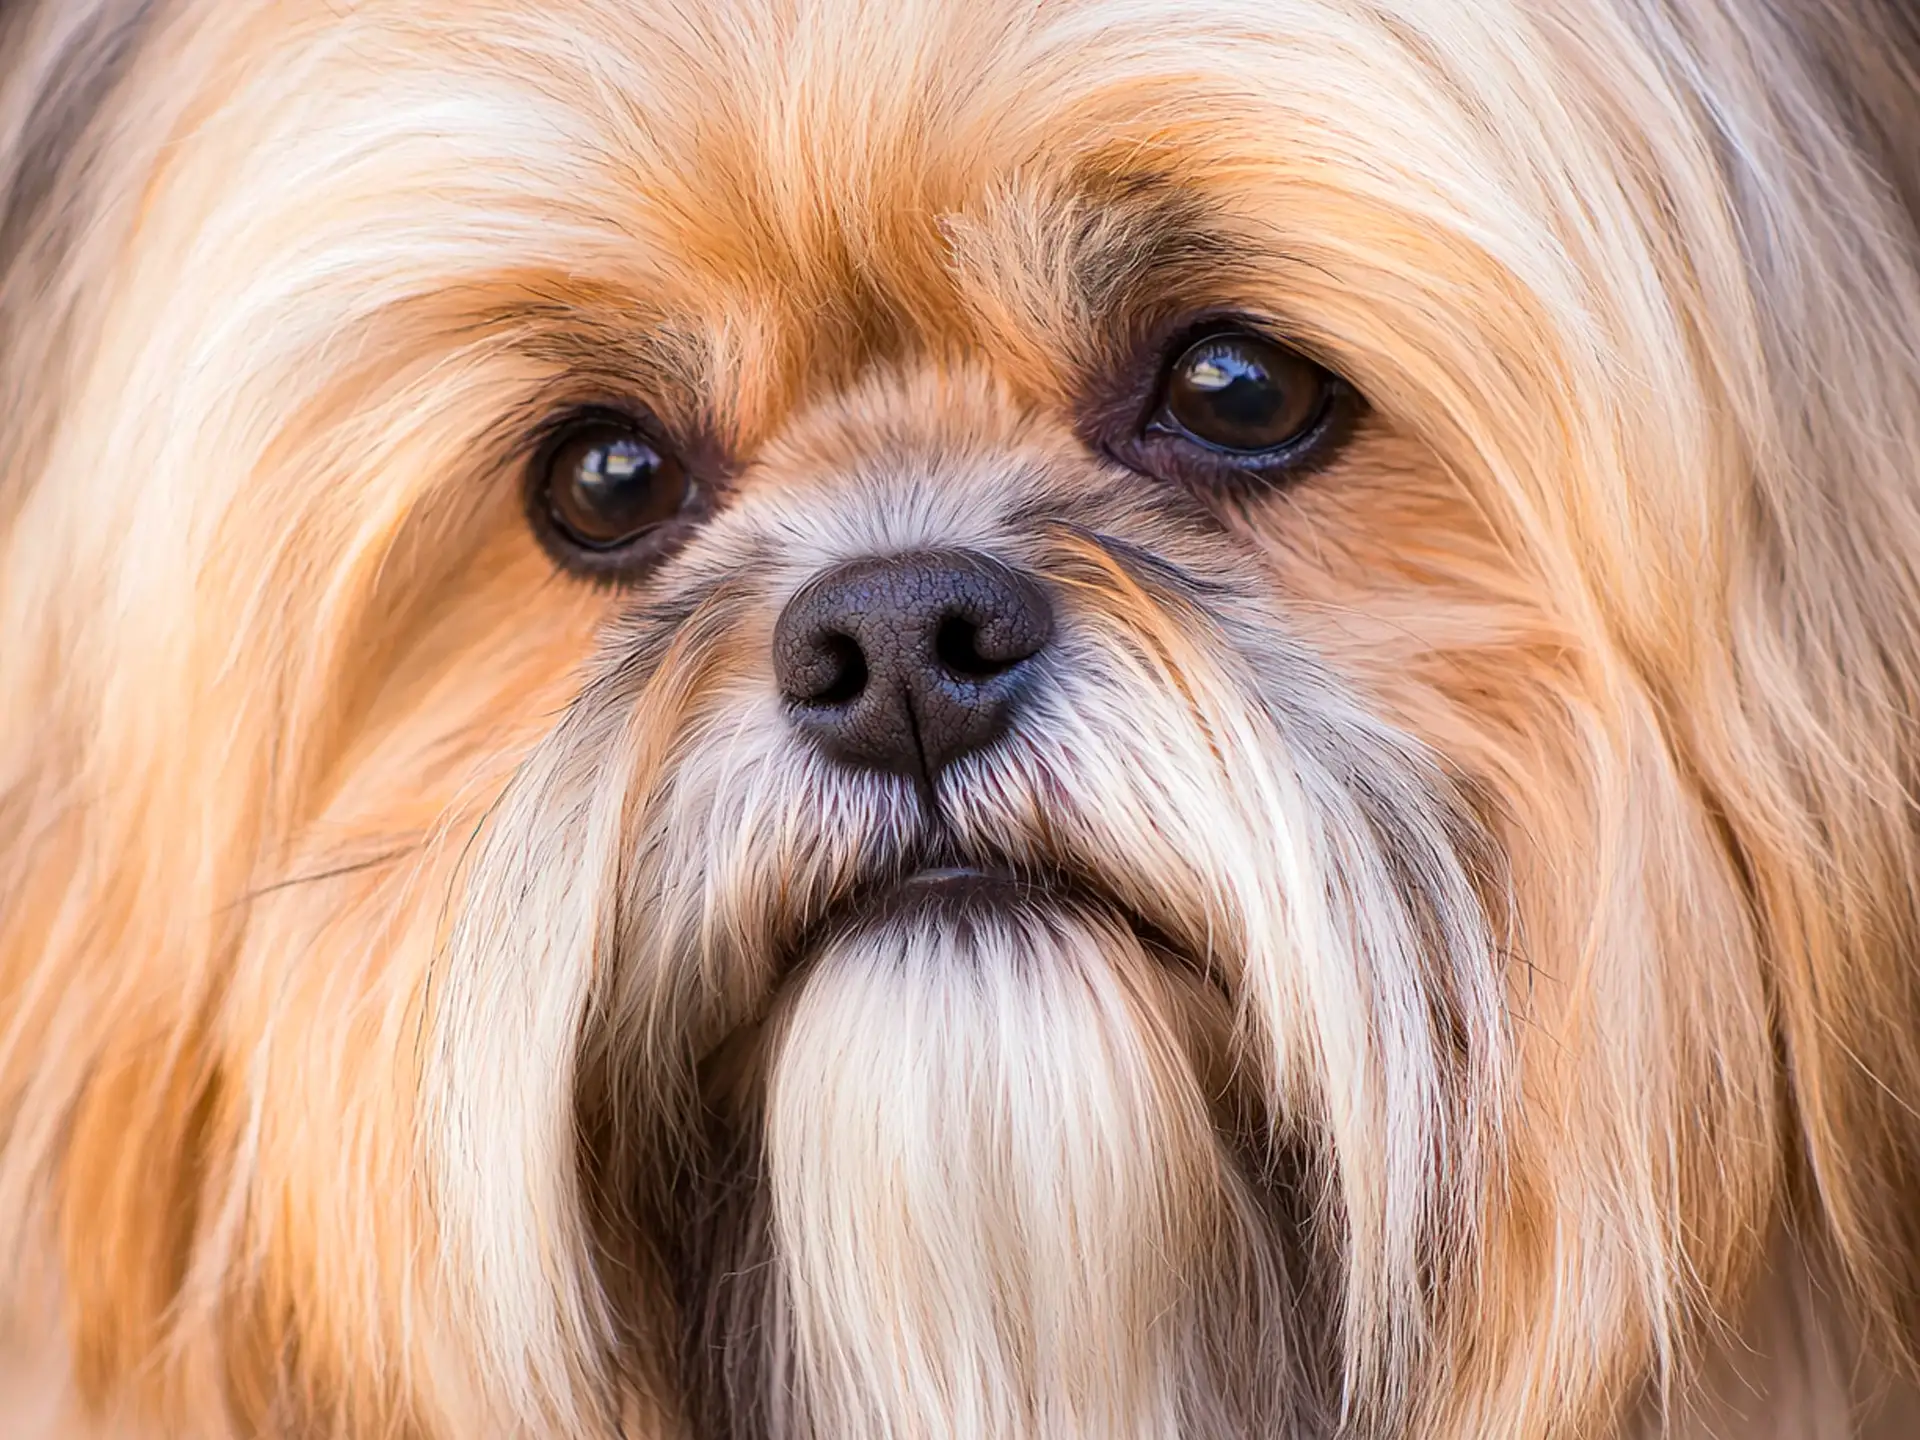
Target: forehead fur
x: 747, y: 203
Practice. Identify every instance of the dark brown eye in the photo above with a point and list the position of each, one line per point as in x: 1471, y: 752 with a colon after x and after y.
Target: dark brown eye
x: 1241, y: 395
x: 607, y: 483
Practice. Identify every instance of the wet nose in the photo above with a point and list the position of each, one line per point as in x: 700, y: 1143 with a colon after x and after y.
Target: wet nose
x: 905, y: 663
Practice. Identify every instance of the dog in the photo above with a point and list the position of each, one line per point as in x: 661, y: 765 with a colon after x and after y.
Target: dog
x: 1025, y: 719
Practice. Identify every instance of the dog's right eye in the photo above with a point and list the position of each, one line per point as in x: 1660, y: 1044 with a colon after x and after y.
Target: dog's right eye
x: 606, y: 489
x: 608, y: 484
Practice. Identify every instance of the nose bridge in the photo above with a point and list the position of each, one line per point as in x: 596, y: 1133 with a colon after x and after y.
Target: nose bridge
x: 906, y: 663
x: 885, y: 504
x: 922, y: 456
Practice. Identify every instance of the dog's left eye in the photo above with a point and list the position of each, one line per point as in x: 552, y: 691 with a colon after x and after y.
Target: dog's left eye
x: 1231, y: 406
x: 1243, y: 396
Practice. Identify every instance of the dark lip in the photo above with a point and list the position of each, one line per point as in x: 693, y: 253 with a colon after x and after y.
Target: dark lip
x: 941, y: 879
x: 956, y: 886
x: 966, y: 886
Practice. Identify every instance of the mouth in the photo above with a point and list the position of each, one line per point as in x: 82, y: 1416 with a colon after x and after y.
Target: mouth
x: 936, y: 888
x: 965, y: 884
x: 940, y: 876
x: 946, y: 890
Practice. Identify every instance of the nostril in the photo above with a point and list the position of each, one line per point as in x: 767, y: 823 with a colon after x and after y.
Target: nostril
x: 843, y: 667
x: 956, y: 645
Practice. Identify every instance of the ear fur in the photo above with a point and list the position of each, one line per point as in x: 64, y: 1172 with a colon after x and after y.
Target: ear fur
x: 1809, y: 744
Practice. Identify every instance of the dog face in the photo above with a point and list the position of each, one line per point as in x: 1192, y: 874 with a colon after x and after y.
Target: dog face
x: 1012, y: 720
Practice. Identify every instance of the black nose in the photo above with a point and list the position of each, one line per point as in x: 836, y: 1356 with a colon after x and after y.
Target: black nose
x: 908, y: 662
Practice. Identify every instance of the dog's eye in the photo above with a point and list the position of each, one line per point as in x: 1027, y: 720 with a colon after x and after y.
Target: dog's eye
x: 606, y: 483
x: 1243, y: 396
x: 1230, y: 407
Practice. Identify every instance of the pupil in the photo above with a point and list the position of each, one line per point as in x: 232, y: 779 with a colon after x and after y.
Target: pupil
x: 614, y: 478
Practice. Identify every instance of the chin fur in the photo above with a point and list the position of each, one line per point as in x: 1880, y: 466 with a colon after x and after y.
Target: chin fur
x: 1429, y: 955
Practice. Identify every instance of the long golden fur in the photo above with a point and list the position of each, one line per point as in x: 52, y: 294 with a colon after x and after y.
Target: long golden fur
x: 1486, y: 999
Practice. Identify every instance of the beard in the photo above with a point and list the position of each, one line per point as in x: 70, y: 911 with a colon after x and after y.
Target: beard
x: 994, y: 1194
